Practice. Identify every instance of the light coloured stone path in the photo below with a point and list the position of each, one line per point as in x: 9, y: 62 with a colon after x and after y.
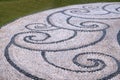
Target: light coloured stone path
x: 78, y: 42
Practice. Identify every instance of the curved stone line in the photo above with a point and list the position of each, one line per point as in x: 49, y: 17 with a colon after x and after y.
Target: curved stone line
x: 67, y: 21
x: 75, y: 34
x: 83, y: 26
x: 83, y: 46
x: 117, y: 9
x: 27, y: 27
x: 89, y: 18
x: 114, y: 74
x: 98, y: 14
x: 84, y: 7
x: 14, y: 65
x: 43, y: 54
x: 96, y: 61
x: 118, y: 37
x: 31, y: 36
x: 86, y: 10
x: 88, y: 26
x: 49, y: 22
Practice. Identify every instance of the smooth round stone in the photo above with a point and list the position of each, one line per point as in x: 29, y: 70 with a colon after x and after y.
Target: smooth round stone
x: 78, y: 42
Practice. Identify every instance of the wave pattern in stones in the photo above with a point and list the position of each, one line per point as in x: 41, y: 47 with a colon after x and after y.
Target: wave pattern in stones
x: 79, y: 42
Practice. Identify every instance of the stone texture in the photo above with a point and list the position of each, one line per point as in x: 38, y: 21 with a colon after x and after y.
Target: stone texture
x: 78, y: 42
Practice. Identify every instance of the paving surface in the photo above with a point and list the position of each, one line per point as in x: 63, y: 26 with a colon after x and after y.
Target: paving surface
x: 78, y: 42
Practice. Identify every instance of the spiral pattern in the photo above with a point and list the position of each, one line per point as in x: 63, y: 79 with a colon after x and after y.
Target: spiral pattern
x: 88, y: 62
x: 113, y: 8
x: 39, y: 27
x: 73, y: 23
x: 64, y: 30
x: 87, y: 25
x: 108, y: 11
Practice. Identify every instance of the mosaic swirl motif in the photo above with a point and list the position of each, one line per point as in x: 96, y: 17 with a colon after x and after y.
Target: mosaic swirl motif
x: 118, y: 37
x: 109, y: 11
x: 98, y: 64
x: 70, y: 31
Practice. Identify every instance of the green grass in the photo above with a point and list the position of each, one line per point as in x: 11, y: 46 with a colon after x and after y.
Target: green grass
x: 13, y: 9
